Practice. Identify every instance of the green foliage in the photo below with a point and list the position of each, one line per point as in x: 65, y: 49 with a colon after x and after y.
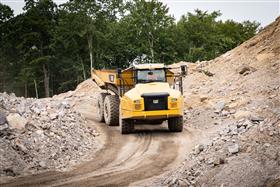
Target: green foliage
x: 202, y: 37
x: 56, y: 46
x: 147, y: 24
x: 5, y: 13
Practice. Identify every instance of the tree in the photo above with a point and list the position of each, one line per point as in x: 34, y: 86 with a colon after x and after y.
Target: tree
x: 38, y: 27
x: 201, y: 37
x: 148, y: 21
x: 93, y: 14
x: 6, y: 13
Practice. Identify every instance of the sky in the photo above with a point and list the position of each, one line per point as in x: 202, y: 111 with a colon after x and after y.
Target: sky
x: 262, y: 11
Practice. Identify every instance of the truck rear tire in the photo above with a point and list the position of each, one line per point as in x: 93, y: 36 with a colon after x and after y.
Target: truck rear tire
x: 175, y: 124
x: 111, y: 110
x: 100, y: 107
x: 127, y: 126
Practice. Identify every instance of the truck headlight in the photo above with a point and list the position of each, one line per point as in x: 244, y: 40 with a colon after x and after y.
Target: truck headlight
x: 138, y: 101
x: 173, y: 100
x: 137, y: 104
x: 173, y: 103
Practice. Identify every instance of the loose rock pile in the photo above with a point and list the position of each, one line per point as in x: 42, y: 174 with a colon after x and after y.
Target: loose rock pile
x: 233, y: 141
x: 37, y: 134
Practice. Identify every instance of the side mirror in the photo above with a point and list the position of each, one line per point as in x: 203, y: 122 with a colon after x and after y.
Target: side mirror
x: 184, y: 70
x: 119, y: 73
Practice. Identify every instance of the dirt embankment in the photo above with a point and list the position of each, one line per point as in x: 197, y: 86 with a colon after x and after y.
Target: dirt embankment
x: 237, y: 95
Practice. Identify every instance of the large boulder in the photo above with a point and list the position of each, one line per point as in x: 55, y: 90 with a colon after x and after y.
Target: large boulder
x: 16, y: 121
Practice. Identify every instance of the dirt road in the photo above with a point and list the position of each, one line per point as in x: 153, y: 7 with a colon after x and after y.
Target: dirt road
x: 123, y: 160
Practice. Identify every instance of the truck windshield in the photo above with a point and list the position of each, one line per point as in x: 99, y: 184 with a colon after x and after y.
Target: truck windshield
x: 146, y: 76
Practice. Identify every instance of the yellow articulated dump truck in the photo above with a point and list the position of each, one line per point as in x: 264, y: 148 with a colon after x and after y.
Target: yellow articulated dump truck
x: 141, y: 94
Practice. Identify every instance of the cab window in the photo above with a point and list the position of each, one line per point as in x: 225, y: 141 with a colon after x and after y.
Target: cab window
x: 146, y: 76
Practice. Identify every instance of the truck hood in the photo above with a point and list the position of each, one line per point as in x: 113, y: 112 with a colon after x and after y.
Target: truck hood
x: 154, y: 87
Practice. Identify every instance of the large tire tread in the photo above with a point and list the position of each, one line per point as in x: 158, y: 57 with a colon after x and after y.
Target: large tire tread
x: 112, y: 103
x: 127, y: 126
x: 100, y: 106
x: 175, y: 124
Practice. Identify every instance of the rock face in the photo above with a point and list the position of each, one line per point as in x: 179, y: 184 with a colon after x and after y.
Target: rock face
x: 40, y: 134
x: 15, y: 121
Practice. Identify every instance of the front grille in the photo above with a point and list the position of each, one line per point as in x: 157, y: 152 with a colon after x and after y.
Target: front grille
x: 155, y: 101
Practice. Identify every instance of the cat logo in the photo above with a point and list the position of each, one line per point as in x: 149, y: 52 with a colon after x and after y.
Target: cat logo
x: 111, y: 78
x: 155, y: 101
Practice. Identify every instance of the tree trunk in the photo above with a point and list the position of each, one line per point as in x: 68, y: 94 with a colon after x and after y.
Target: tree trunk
x: 46, y: 81
x: 25, y: 90
x: 151, y: 42
x: 152, y: 53
x: 36, y: 89
x: 91, y: 59
x: 84, y: 72
x: 90, y: 50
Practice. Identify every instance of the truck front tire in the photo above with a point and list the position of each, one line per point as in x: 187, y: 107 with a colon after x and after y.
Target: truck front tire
x: 127, y: 126
x: 175, y: 124
x: 111, y: 110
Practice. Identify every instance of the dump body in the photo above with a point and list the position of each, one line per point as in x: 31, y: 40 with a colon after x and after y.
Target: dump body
x: 102, y: 77
x: 107, y: 77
